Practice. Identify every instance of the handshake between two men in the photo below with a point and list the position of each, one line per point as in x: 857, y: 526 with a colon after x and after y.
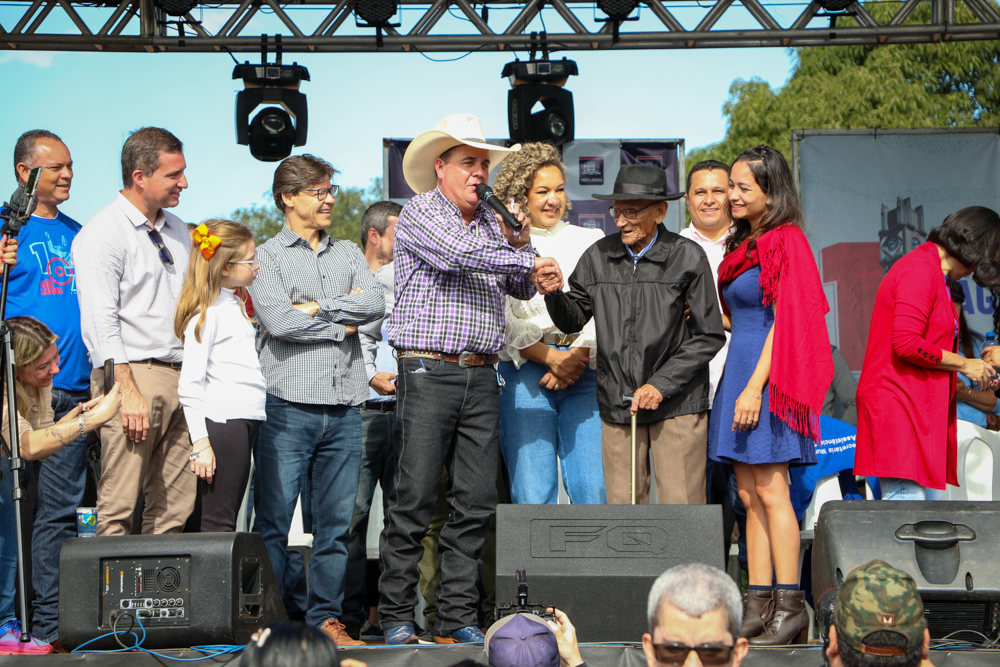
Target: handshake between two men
x: 546, y: 276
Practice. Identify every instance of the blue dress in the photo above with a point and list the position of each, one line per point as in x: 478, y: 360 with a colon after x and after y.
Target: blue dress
x: 772, y: 440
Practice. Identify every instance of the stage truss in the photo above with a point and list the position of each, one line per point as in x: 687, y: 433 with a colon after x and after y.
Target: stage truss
x: 138, y: 25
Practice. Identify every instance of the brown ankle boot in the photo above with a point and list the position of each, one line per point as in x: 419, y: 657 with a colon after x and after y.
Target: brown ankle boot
x: 753, y: 607
x: 788, y: 621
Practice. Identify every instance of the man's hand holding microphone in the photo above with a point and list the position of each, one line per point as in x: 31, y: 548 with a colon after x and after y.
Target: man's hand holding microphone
x: 546, y: 276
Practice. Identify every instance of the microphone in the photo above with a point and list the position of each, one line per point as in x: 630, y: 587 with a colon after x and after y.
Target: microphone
x: 486, y: 194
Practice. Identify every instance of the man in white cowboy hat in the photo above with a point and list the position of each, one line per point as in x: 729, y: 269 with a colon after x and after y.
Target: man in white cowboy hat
x: 636, y: 286
x: 455, y: 263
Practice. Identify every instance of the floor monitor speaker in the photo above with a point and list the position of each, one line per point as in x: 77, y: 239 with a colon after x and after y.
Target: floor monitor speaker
x: 598, y: 562
x: 949, y: 548
x: 188, y: 589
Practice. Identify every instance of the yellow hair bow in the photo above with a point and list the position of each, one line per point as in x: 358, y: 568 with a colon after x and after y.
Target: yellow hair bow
x: 209, y: 242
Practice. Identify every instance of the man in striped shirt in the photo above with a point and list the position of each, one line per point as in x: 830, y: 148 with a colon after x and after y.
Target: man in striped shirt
x: 455, y: 263
x: 311, y: 294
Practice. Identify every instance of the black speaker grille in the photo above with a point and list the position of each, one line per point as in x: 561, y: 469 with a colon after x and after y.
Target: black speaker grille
x: 945, y: 618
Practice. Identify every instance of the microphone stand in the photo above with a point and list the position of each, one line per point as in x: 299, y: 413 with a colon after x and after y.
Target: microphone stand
x: 15, y: 215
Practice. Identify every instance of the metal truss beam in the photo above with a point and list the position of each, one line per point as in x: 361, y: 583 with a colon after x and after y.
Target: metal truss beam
x: 138, y: 25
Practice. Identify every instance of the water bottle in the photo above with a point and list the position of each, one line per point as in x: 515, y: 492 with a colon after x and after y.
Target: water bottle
x: 991, y: 339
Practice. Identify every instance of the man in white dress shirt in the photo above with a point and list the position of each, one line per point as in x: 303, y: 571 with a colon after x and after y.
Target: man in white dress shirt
x: 130, y: 261
x: 708, y: 203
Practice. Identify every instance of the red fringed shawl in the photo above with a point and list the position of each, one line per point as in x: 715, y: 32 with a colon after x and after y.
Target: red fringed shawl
x: 801, y: 363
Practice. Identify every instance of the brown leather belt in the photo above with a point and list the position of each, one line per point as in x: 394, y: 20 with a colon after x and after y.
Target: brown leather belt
x: 463, y: 360
x: 559, y: 339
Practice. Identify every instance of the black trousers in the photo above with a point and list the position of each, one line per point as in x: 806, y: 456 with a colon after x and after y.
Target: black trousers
x: 218, y: 503
x: 446, y: 417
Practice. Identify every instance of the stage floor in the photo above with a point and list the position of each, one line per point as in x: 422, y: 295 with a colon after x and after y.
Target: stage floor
x: 603, y: 655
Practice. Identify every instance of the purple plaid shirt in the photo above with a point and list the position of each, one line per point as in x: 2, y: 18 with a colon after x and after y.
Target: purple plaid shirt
x: 451, y: 278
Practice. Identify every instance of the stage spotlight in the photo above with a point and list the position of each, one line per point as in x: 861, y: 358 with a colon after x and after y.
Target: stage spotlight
x: 176, y: 7
x: 272, y: 135
x: 276, y: 129
x: 375, y: 12
x: 540, y: 82
x: 835, y: 5
x: 618, y: 10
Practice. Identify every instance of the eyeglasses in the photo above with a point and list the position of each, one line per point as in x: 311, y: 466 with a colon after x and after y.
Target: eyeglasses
x: 709, y: 654
x: 321, y: 193
x: 629, y: 213
x: 157, y: 240
x: 254, y: 262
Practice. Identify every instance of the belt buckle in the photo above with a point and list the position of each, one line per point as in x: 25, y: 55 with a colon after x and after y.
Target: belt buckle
x: 461, y: 359
x: 563, y: 340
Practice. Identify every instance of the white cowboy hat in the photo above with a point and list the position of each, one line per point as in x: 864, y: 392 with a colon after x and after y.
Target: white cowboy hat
x: 454, y: 130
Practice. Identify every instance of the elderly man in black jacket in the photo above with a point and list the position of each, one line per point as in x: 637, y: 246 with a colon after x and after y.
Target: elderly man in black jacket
x: 636, y: 286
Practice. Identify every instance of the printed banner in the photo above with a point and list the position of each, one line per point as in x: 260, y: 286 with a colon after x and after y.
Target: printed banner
x: 591, y: 168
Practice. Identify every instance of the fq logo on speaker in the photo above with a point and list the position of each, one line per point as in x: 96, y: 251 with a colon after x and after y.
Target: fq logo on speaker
x: 590, y: 539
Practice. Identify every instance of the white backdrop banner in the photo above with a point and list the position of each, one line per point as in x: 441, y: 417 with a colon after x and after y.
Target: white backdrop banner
x: 871, y: 197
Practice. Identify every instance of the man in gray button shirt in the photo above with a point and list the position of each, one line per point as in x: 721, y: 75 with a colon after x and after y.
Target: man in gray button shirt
x: 130, y: 260
x: 311, y: 294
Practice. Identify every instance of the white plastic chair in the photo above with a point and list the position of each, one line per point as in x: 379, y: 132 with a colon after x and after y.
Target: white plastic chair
x: 974, y: 479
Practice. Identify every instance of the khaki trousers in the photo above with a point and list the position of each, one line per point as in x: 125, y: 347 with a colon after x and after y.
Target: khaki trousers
x: 158, y: 465
x: 680, y: 452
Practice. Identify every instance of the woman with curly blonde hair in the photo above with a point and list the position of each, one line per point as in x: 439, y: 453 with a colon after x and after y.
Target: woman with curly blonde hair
x: 549, y: 410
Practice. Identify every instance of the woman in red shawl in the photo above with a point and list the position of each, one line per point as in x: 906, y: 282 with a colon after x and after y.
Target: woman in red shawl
x: 766, y: 411
x: 906, y: 396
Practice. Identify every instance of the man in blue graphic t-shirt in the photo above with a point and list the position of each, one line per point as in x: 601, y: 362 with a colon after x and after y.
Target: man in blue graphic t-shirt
x: 42, y: 285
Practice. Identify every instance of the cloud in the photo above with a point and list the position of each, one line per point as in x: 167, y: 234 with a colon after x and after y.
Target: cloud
x: 36, y: 58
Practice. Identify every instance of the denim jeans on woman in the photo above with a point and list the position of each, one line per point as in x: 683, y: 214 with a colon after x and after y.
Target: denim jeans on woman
x: 62, y: 480
x: 539, y: 425
x: 894, y: 488
x: 320, y: 443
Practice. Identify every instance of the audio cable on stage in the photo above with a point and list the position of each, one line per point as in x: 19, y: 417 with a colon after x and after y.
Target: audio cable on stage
x: 210, y: 651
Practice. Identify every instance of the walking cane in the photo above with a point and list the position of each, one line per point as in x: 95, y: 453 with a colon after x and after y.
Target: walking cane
x: 628, y: 399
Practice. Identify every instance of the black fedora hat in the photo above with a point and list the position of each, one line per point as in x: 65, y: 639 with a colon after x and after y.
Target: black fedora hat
x: 641, y: 181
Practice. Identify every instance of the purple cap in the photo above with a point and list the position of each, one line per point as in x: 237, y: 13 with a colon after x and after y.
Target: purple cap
x: 521, y: 640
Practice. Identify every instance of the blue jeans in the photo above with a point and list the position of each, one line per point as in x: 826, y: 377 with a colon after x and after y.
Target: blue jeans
x: 8, y: 543
x: 62, y: 480
x: 378, y: 465
x: 894, y: 488
x: 538, y: 425
x: 322, y: 444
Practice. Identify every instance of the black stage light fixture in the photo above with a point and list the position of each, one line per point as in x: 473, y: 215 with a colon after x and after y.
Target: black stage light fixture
x: 618, y: 10
x: 176, y: 7
x: 375, y: 14
x: 540, y: 81
x: 275, y: 129
x: 835, y: 5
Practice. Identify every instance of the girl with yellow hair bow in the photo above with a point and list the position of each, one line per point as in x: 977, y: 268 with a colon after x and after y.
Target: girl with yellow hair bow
x: 221, y: 385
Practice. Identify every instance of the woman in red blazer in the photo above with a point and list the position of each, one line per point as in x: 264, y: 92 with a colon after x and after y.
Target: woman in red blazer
x: 906, y: 395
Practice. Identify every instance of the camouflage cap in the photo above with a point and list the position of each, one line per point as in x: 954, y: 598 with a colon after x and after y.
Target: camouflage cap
x: 877, y: 596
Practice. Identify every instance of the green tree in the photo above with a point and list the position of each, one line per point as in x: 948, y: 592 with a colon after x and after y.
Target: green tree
x: 265, y: 220
x: 942, y: 85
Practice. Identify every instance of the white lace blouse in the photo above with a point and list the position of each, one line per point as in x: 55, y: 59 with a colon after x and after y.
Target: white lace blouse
x: 526, y: 321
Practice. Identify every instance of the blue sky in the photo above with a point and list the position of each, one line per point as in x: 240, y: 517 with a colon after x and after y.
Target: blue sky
x: 92, y: 100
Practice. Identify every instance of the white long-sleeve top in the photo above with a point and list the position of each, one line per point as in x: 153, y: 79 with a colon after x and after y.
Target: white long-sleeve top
x: 526, y: 321
x: 221, y: 377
